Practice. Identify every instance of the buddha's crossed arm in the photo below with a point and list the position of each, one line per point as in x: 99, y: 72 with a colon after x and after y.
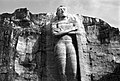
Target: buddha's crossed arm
x: 63, y: 28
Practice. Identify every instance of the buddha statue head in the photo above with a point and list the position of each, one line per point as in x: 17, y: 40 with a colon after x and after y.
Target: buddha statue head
x: 61, y: 11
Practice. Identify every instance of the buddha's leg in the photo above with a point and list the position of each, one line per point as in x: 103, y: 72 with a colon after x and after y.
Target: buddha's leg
x: 60, y: 55
x: 71, y: 62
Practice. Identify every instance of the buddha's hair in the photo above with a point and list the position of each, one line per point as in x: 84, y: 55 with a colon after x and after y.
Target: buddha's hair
x: 61, y: 6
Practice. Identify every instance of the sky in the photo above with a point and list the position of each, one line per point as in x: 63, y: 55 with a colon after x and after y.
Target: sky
x: 107, y: 10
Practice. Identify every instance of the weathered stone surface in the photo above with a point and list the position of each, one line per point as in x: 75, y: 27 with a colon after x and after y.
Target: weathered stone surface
x: 103, y: 47
x: 26, y: 48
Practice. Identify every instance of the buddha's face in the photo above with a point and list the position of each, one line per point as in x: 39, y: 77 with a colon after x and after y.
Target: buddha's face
x: 61, y: 11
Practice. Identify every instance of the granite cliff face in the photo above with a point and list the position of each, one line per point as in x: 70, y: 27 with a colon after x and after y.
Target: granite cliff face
x: 26, y: 52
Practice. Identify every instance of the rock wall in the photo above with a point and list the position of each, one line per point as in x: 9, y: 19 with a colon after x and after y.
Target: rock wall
x: 26, y: 52
x: 103, y: 47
